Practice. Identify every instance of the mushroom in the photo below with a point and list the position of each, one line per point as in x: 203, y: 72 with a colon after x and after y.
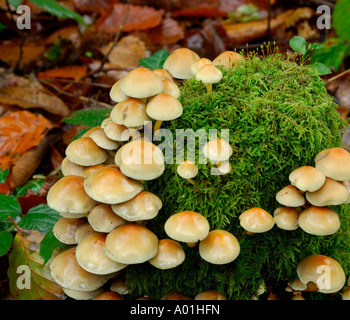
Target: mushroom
x: 163, y: 74
x: 334, y: 163
x: 171, y: 88
x: 320, y: 221
x: 307, y: 178
x: 64, y: 229
x: 144, y: 206
x: 91, y: 257
x: 82, y: 295
x: 179, y: 63
x: 130, y: 113
x: 286, y: 218
x: 209, y: 74
x: 227, y: 59
x: 217, y: 150
x: 116, y: 94
x: 297, y: 285
x: 67, y: 273
x: 131, y: 243
x: 170, y: 254
x: 187, y: 226
x: 109, y: 185
x: 323, y: 271
x: 68, y: 195
x: 210, y: 295
x: 175, y: 296
x: 100, y: 138
x: 187, y: 170
x: 140, y: 160
x: 85, y: 152
x: 163, y: 107
x: 119, y: 286
x: 103, y: 219
x: 290, y: 196
x: 116, y: 131
x: 83, y: 231
x: 141, y: 83
x: 69, y: 168
x: 199, y: 64
x: 256, y: 220
x: 331, y: 193
x: 108, y: 295
x: 219, y: 247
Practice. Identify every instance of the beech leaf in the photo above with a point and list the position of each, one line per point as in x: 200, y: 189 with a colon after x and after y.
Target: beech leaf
x: 156, y: 60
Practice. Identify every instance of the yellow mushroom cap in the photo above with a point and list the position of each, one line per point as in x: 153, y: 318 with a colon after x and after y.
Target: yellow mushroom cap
x: 100, y: 138
x: 219, y: 247
x: 323, y: 271
x: 85, y: 152
x: 187, y: 169
x: 116, y: 93
x: 199, y: 64
x: 91, y: 256
x: 170, y: 255
x: 179, y: 63
x: 187, y: 226
x: 256, y: 220
x: 334, y: 163
x: 164, y: 107
x: 109, y: 185
x: 307, y: 178
x: 65, y: 228
x: 286, y: 218
x: 144, y: 206
x: 331, y: 193
x: 209, y: 74
x: 217, y: 150
x: 141, y: 83
x: 320, y: 221
x: 290, y: 196
x: 171, y: 88
x: 66, y: 272
x: 210, y: 295
x: 82, y: 295
x: 68, y: 195
x: 116, y: 131
x: 227, y: 59
x: 163, y: 74
x: 131, y: 243
x: 69, y: 168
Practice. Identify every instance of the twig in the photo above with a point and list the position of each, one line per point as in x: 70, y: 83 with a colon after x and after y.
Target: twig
x: 338, y: 76
x: 101, y: 85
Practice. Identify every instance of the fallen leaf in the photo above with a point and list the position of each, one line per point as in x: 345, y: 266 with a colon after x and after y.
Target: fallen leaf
x: 92, y: 5
x: 20, y: 131
x: 29, y: 93
x: 169, y: 31
x: 138, y: 18
x: 70, y: 32
x: 65, y: 72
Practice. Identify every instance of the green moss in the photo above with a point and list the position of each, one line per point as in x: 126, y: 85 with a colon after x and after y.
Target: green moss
x: 279, y: 116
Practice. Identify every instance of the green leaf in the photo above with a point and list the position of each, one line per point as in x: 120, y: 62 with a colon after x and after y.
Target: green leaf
x: 3, y: 175
x: 9, y: 206
x: 33, y: 185
x: 322, y: 69
x: 88, y: 117
x: 298, y: 44
x: 15, y: 3
x: 58, y: 10
x: 5, y: 242
x: 341, y: 18
x: 2, y: 26
x: 54, y: 52
x: 41, y: 218
x: 156, y: 60
x: 48, y: 245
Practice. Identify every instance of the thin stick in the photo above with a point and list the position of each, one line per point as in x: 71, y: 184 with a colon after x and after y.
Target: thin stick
x: 338, y: 76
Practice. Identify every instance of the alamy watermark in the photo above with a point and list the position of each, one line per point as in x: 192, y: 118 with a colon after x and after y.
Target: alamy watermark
x: 324, y: 20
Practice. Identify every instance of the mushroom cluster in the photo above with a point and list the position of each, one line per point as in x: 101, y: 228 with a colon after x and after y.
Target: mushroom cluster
x: 312, y: 190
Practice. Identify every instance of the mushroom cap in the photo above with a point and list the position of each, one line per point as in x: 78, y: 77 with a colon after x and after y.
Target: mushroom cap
x: 187, y: 226
x: 320, y: 221
x: 170, y: 254
x: 164, y: 107
x: 324, y: 271
x: 64, y: 229
x: 109, y: 185
x: 69, y: 168
x: 175, y: 296
x: 227, y: 59
x: 179, y: 63
x: 116, y: 94
x: 141, y: 83
x: 187, y: 169
x: 217, y: 150
x: 256, y: 220
x: 130, y: 113
x: 144, y: 206
x: 83, y: 231
x: 331, y: 193
x: 108, y: 295
x: 85, y: 152
x: 68, y: 195
x: 140, y: 160
x: 209, y: 74
x: 290, y: 196
x: 67, y: 273
x: 82, y: 295
x: 334, y: 163
x: 120, y: 286
x: 103, y: 219
x: 210, y: 295
x: 131, y: 243
x: 219, y: 247
x: 91, y: 256
x: 100, y: 138
x: 286, y: 218
x: 163, y: 74
x: 199, y: 64
x: 116, y: 131
x: 307, y: 178
x: 171, y: 88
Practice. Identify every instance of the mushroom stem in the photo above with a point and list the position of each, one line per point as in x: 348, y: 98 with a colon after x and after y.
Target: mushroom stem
x: 191, y: 244
x: 191, y: 181
x: 209, y: 87
x: 157, y: 125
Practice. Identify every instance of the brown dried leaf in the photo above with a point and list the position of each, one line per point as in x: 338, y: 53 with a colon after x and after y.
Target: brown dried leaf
x: 65, y: 72
x: 169, y: 31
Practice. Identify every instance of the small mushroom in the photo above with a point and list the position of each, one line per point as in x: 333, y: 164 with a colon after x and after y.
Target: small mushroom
x: 100, y: 138
x: 82, y: 295
x: 227, y: 59
x: 83, y: 231
x: 171, y: 88
x: 69, y: 168
x: 209, y: 74
x: 163, y: 74
x: 219, y: 247
x: 64, y: 229
x: 187, y: 170
x: 217, y: 150
x: 307, y: 178
x: 108, y: 295
x: 131, y: 243
x: 290, y: 196
x: 116, y: 131
x: 199, y: 64
x: 286, y: 218
x: 120, y: 286
x: 116, y: 94
x: 209, y: 295
x: 256, y: 220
